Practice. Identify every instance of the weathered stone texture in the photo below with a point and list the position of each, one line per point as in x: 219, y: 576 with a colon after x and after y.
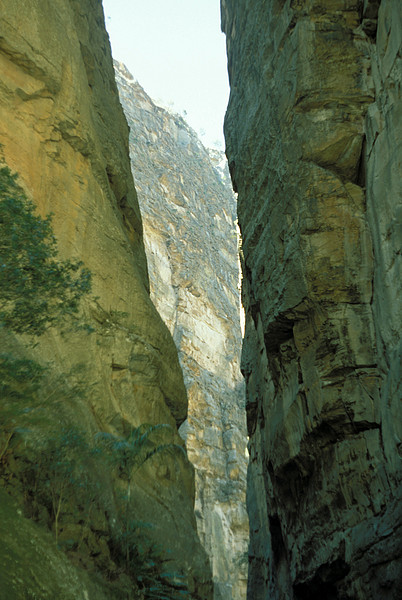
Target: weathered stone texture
x: 191, y: 244
x: 63, y: 131
x: 313, y: 134
x: 383, y: 129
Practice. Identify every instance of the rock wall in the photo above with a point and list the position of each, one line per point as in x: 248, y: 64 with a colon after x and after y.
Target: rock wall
x: 63, y: 131
x: 313, y: 134
x: 191, y: 243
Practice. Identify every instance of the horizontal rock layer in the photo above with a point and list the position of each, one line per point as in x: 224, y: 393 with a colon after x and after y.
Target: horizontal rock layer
x: 313, y: 134
x: 63, y: 131
x: 191, y: 243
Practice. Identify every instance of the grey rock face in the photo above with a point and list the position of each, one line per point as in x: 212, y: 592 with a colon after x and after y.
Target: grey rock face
x: 313, y: 134
x: 190, y: 237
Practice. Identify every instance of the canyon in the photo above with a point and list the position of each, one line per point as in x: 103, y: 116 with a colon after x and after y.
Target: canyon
x: 123, y: 437
x: 189, y: 217
x: 313, y: 139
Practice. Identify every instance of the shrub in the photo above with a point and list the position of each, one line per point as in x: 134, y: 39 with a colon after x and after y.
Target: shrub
x: 36, y: 287
x: 20, y: 379
x: 63, y: 474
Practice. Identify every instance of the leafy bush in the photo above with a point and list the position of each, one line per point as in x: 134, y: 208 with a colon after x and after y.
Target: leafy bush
x: 143, y: 561
x: 128, y: 454
x: 149, y: 568
x: 63, y: 474
x: 36, y: 287
x: 60, y: 472
x: 20, y: 379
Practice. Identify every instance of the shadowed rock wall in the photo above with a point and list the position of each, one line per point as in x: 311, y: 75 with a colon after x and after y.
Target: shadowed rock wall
x: 313, y: 134
x: 191, y: 244
x: 63, y: 131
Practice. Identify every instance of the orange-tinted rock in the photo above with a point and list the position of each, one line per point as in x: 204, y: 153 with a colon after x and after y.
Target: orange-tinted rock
x: 63, y: 131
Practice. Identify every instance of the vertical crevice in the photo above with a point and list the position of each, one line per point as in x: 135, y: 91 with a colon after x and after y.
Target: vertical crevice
x: 361, y: 168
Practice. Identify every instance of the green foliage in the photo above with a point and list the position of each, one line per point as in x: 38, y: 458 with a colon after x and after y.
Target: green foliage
x: 242, y: 559
x: 63, y: 473
x: 58, y: 466
x: 148, y: 565
x: 128, y: 454
x: 33, y: 398
x: 20, y: 379
x: 62, y: 482
x: 36, y: 287
x: 131, y: 452
x: 36, y: 290
x: 143, y: 561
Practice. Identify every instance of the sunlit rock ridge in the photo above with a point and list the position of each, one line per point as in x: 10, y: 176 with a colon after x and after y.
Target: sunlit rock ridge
x: 313, y: 137
x: 189, y: 212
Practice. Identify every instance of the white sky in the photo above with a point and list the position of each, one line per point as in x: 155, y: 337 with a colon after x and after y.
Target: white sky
x: 176, y: 51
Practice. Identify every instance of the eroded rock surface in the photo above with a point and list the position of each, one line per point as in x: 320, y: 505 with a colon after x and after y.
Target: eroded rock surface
x: 191, y: 243
x: 63, y: 131
x: 313, y: 134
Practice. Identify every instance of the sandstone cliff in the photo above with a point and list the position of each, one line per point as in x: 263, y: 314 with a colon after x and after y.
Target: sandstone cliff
x: 190, y: 239
x: 63, y: 131
x: 313, y: 134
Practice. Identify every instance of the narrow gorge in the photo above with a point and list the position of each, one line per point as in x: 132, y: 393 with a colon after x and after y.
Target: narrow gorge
x: 133, y: 416
x: 189, y: 216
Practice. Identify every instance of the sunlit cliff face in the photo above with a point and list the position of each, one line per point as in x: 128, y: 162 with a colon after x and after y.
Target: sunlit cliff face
x: 63, y: 131
x: 191, y: 243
